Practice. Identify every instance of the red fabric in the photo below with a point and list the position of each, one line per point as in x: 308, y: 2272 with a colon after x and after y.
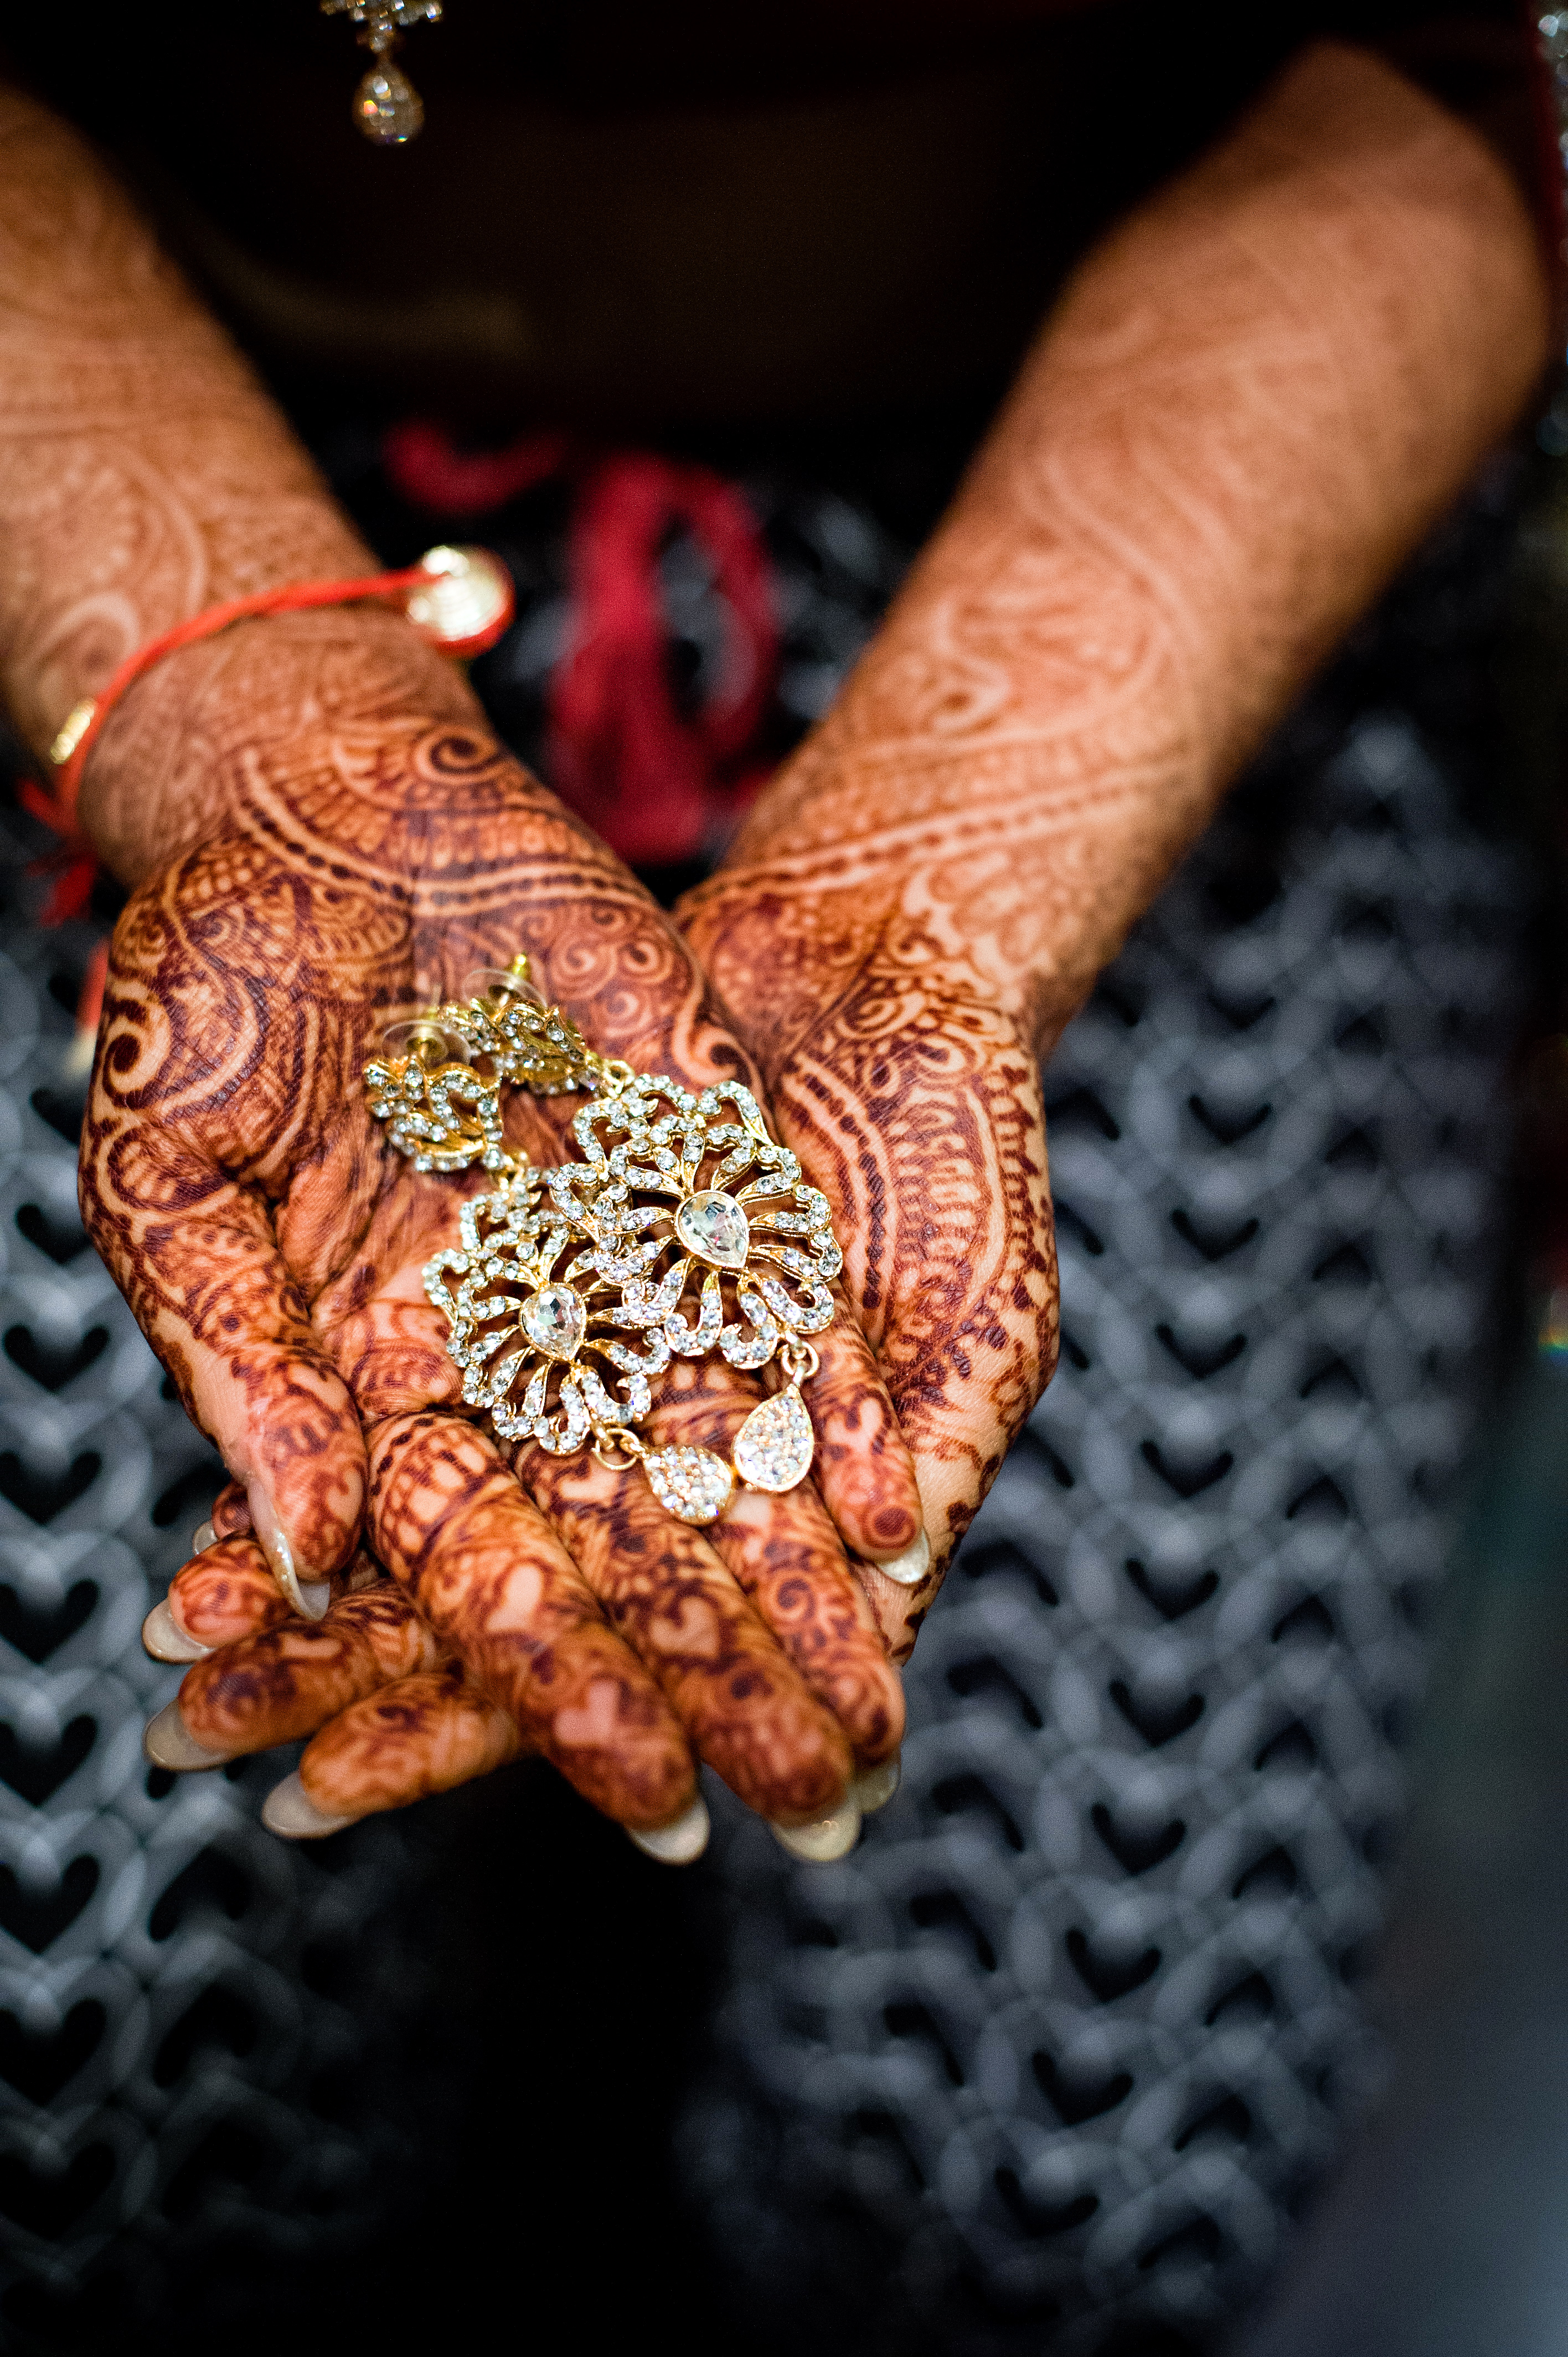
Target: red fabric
x: 656, y: 785
x: 74, y: 868
x: 659, y: 787
x: 430, y: 471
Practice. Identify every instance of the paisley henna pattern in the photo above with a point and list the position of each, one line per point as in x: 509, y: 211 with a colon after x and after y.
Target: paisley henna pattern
x: 1250, y: 404
x: 493, y: 1581
x: 784, y: 1555
x: 667, y: 1592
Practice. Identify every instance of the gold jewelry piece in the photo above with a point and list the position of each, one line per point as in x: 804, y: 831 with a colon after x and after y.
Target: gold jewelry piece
x: 387, y: 107
x: 683, y: 1228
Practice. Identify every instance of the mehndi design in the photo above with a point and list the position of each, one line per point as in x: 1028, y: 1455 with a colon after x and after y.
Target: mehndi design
x: 677, y: 1197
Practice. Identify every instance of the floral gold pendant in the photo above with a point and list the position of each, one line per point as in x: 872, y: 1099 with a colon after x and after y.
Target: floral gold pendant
x: 683, y: 1228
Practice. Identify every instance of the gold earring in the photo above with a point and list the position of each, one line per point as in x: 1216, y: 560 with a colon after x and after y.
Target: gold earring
x: 676, y: 1203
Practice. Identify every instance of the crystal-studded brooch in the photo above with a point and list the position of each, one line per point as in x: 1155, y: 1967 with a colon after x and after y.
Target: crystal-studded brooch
x: 683, y: 1228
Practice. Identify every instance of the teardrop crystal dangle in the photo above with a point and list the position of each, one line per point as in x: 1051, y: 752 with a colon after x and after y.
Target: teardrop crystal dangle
x: 774, y: 1448
x: 692, y: 1484
x: 387, y: 107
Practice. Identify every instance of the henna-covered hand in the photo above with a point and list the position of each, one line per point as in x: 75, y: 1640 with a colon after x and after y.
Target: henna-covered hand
x: 393, y: 1715
x: 915, y: 1097
x: 366, y: 847
x: 1249, y: 405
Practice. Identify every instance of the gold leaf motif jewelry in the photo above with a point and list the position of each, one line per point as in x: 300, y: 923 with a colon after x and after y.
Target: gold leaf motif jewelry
x: 683, y: 1228
x: 387, y: 107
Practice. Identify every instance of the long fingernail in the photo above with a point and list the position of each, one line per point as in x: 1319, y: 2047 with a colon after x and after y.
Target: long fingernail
x: 307, y: 1595
x: 908, y: 1568
x: 169, y: 1743
x: 825, y: 1838
x: 202, y: 1537
x: 875, y: 1787
x: 289, y: 1810
x: 679, y: 1842
x: 166, y: 1640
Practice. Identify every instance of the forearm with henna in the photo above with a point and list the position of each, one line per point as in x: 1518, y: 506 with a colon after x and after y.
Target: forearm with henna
x: 1248, y: 406
x: 143, y: 473
x: 321, y: 831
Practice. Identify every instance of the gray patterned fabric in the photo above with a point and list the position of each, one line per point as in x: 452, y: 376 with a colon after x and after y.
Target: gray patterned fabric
x: 169, y: 2053
x: 1046, y: 2061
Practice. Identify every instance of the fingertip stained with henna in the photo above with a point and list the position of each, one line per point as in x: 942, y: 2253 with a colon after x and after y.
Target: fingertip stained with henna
x: 485, y: 1568
x: 288, y: 1680
x: 749, y: 1711
x: 227, y: 1591
x: 425, y: 1734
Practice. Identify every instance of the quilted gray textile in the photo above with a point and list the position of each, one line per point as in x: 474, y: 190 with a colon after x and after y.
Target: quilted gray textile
x: 173, y: 2067
x: 1046, y: 2061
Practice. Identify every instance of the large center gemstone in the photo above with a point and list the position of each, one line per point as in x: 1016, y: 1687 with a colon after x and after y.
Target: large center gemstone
x: 555, y: 1320
x: 714, y: 1228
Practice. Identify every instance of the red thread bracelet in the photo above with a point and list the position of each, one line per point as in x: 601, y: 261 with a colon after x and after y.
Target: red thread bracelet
x: 460, y: 600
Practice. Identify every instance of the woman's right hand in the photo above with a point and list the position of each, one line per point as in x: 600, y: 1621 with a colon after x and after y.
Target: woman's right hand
x: 362, y: 847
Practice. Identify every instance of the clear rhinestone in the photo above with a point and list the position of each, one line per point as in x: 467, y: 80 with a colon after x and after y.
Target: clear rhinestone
x: 692, y: 1484
x: 773, y: 1448
x: 554, y: 1321
x: 715, y: 1229
x: 696, y: 1341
